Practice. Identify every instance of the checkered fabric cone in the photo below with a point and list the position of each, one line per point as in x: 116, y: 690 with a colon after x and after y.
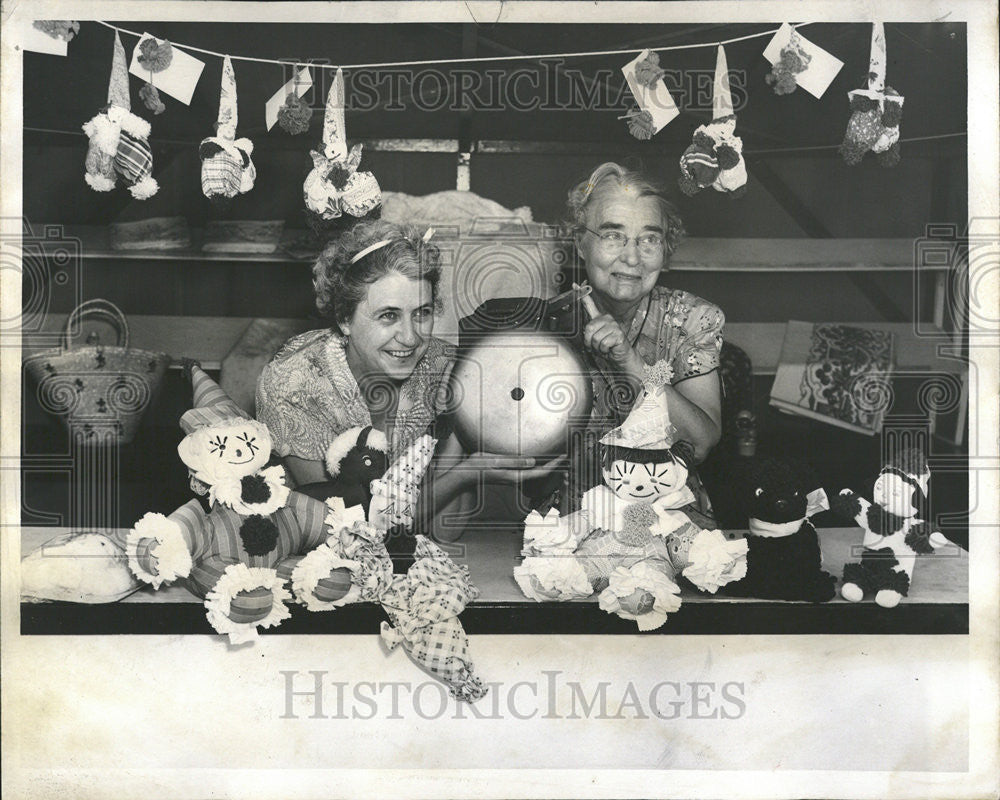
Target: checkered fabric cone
x: 334, y: 186
x: 118, y: 143
x: 715, y: 157
x: 395, y: 494
x: 226, y: 167
x: 875, y: 112
x: 423, y: 607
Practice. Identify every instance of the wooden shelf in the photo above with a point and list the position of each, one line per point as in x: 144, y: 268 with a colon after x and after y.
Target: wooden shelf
x: 694, y: 255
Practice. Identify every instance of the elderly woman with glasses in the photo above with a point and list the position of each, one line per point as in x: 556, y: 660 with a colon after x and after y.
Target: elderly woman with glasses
x: 625, y: 231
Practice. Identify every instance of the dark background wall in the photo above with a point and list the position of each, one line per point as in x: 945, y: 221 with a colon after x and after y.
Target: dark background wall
x: 799, y: 186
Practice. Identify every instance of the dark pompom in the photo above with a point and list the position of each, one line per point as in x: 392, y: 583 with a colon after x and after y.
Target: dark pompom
x: 727, y: 156
x: 687, y: 185
x: 64, y: 29
x: 861, y: 103
x: 648, y: 71
x: 254, y: 489
x: 890, y: 157
x: 259, y: 535
x: 892, y: 114
x: 641, y: 126
x: 852, y: 152
x: 294, y: 115
x: 208, y: 149
x: 151, y: 98
x: 703, y: 140
x: 338, y: 175
x: 155, y: 56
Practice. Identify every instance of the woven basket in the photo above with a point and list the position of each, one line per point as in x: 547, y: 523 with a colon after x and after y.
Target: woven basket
x: 100, y: 391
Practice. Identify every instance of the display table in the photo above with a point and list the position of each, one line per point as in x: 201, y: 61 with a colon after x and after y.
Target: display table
x: 937, y: 603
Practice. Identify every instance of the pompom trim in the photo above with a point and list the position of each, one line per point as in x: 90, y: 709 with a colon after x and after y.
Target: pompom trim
x: 103, y: 133
x: 316, y: 566
x: 340, y: 447
x: 145, y: 188
x: 173, y: 558
x: 135, y: 126
x: 340, y: 516
x: 230, y: 493
x: 99, y: 183
x: 239, y: 578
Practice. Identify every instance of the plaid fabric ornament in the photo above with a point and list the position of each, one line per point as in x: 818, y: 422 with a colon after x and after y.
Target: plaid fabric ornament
x: 423, y: 607
x: 226, y: 167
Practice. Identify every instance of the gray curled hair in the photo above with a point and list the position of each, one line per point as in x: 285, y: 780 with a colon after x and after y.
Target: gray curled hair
x: 611, y: 174
x: 341, y: 284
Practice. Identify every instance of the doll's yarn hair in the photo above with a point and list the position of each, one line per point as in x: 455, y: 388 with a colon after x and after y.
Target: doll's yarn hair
x: 612, y: 175
x: 341, y: 283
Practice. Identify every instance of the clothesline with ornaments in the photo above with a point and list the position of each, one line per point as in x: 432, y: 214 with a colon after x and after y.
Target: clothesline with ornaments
x: 468, y: 60
x: 335, y: 190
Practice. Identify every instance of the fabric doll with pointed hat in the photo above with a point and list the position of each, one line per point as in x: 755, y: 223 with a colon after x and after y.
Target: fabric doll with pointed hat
x: 226, y: 168
x: 632, y: 536
x: 240, y: 553
x: 119, y: 146
x: 715, y: 156
x: 783, y: 558
x: 875, y: 112
x: 336, y: 194
x: 895, y: 530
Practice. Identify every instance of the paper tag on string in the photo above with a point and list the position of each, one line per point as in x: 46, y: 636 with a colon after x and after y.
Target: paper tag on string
x: 301, y: 83
x: 655, y: 99
x: 178, y: 80
x: 38, y: 41
x: 821, y: 70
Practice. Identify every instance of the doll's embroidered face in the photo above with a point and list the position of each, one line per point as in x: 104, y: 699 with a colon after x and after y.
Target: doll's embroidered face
x: 894, y: 494
x: 232, y: 450
x: 644, y: 482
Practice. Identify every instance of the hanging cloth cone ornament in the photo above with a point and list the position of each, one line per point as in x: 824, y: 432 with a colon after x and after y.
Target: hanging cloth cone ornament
x: 715, y: 157
x: 119, y: 145
x: 875, y: 112
x: 336, y: 194
x: 226, y: 168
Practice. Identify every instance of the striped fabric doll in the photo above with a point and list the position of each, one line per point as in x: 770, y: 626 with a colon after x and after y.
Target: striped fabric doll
x: 119, y: 146
x: 240, y: 554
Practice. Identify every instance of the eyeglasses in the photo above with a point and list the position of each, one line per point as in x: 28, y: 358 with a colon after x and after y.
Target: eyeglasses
x: 613, y: 243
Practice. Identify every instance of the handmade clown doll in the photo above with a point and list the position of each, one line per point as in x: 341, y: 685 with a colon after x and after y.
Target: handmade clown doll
x: 119, y: 146
x: 336, y: 194
x: 226, y: 168
x: 240, y: 553
x: 895, y: 530
x: 632, y: 536
x: 715, y: 157
x: 875, y: 112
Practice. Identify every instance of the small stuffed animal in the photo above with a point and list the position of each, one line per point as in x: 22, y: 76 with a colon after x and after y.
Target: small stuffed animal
x: 895, y: 531
x: 240, y: 554
x: 354, y: 459
x: 118, y: 145
x: 334, y: 188
x: 783, y: 558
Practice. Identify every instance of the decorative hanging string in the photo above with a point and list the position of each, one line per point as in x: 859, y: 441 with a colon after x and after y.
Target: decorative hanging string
x: 476, y: 60
x: 746, y: 152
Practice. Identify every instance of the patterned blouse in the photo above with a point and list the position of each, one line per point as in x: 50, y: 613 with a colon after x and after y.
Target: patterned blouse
x: 307, y: 395
x: 678, y: 335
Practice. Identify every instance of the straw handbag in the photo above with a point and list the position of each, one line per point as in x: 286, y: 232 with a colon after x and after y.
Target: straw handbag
x: 100, y: 391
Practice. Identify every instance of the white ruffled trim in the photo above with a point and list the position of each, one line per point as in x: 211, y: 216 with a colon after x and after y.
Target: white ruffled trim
x: 99, y: 183
x: 340, y: 517
x: 134, y: 126
x: 340, y: 447
x: 641, y: 576
x: 553, y: 578
x: 173, y: 559
x: 144, y: 188
x: 316, y: 566
x: 230, y: 493
x: 103, y: 133
x: 238, y: 578
x: 554, y: 534
x: 715, y: 560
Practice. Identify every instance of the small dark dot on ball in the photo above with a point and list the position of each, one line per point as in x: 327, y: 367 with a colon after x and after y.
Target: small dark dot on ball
x: 517, y: 393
